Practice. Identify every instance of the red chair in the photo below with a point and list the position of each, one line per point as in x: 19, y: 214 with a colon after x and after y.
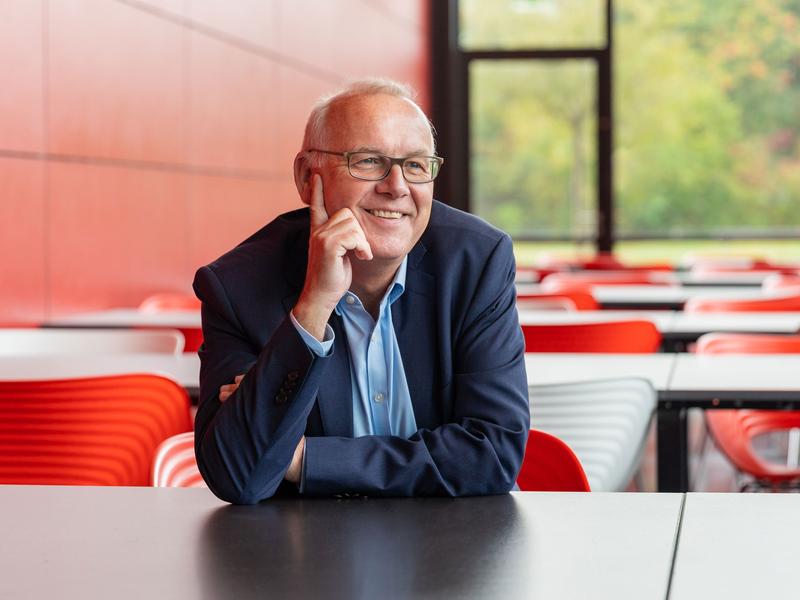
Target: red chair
x: 550, y: 466
x: 175, y: 465
x: 165, y: 302
x: 580, y: 300
x: 169, y: 301
x: 604, y: 261
x: 734, y: 430
x: 777, y: 304
x: 89, y: 431
x: 623, y: 337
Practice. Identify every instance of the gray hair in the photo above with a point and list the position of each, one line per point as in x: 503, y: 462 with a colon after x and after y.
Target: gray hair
x: 316, y: 134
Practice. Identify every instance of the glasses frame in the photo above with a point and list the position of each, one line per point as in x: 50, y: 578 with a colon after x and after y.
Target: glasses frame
x: 392, y: 162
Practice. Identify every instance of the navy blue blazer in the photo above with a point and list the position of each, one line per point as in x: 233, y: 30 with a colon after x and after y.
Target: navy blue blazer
x: 462, y: 348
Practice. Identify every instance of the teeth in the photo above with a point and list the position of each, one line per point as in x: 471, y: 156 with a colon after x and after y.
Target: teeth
x: 386, y: 214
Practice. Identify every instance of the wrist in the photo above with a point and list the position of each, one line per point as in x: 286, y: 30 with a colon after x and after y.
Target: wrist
x: 312, y: 316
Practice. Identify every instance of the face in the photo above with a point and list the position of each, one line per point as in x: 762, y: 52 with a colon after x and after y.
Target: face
x: 392, y: 212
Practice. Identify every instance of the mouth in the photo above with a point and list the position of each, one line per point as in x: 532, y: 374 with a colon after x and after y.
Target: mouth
x: 386, y: 214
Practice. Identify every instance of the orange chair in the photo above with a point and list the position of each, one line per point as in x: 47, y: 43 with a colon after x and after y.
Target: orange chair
x: 580, y: 300
x: 631, y: 337
x: 709, y: 304
x: 734, y: 430
x: 175, y: 464
x: 193, y: 336
x: 550, y: 466
x: 169, y: 301
x: 88, y: 431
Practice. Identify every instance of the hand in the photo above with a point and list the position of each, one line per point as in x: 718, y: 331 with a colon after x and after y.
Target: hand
x: 225, y: 391
x: 329, y: 272
x: 295, y: 469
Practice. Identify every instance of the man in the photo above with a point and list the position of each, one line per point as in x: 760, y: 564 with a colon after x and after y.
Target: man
x: 376, y: 330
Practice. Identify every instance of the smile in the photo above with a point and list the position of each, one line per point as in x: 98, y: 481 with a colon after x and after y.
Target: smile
x: 386, y: 214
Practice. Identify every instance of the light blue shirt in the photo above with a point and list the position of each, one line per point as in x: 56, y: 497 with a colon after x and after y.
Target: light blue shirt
x: 381, y: 400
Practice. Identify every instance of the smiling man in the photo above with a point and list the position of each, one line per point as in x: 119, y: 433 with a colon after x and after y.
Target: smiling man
x: 368, y: 344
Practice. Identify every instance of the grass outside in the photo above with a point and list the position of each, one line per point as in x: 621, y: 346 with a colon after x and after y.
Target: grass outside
x: 670, y: 251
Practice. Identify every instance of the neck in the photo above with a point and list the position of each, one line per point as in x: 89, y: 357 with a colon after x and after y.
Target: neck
x: 371, y: 279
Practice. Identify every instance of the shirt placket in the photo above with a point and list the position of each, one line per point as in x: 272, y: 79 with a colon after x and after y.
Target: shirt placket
x: 378, y: 382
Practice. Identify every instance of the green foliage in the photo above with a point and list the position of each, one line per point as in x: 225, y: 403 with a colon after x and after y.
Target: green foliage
x: 707, y: 115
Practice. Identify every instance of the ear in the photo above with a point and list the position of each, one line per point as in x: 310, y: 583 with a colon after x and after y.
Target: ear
x: 302, y: 176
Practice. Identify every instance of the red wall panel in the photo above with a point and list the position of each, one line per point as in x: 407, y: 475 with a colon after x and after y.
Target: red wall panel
x: 21, y: 124
x: 116, y: 82
x: 168, y: 129
x: 117, y: 235
x: 22, y: 242
x: 231, y: 107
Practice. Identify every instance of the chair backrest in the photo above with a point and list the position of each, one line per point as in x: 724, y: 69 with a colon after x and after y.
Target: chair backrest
x: 734, y: 430
x: 628, y: 337
x: 582, y: 300
x: 605, y: 422
x: 88, y: 431
x: 89, y: 341
x: 579, y: 280
x: 175, y: 464
x: 169, y: 301
x: 550, y: 465
x: 785, y: 303
x: 780, y: 281
x: 747, y: 343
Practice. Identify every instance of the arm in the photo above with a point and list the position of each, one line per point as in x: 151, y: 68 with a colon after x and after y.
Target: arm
x: 247, y: 445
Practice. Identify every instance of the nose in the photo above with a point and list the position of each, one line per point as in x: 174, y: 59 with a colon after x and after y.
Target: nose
x: 394, y: 184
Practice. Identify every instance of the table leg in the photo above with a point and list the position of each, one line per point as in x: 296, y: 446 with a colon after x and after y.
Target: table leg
x: 673, y: 450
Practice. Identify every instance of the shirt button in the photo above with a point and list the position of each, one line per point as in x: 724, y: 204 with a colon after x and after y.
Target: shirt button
x: 374, y: 337
x: 349, y: 299
x: 379, y: 397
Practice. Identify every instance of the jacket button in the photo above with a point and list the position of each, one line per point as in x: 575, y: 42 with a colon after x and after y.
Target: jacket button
x: 293, y: 375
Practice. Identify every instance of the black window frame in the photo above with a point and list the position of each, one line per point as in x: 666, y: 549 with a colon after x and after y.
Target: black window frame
x: 450, y: 109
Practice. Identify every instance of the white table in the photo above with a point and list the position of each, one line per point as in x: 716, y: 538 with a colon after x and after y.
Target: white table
x: 733, y: 379
x: 92, y: 543
x: 724, y: 278
x: 568, y: 367
x: 737, y: 546
x: 662, y: 319
x: 692, y: 325
x: 182, y: 368
x: 129, y: 317
x: 657, y: 297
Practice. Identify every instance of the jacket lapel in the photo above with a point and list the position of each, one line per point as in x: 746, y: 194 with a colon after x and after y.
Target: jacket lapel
x: 414, y: 318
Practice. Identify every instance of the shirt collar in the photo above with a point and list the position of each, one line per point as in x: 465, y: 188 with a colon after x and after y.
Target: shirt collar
x: 393, y: 292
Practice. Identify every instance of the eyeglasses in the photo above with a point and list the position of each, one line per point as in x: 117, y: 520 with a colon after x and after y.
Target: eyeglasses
x: 371, y: 166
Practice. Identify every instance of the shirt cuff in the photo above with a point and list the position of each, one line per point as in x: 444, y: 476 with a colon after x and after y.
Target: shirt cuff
x: 322, y: 348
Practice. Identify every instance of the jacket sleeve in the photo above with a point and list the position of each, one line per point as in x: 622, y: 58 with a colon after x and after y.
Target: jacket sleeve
x: 480, y: 449
x: 245, y: 445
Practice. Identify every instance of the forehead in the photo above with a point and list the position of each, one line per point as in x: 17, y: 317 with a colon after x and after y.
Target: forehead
x: 389, y: 124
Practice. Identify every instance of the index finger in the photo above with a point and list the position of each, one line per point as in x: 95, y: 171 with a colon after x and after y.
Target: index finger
x: 318, y: 213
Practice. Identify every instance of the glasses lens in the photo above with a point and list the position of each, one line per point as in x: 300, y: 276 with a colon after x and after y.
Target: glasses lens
x: 419, y: 169
x: 366, y: 165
